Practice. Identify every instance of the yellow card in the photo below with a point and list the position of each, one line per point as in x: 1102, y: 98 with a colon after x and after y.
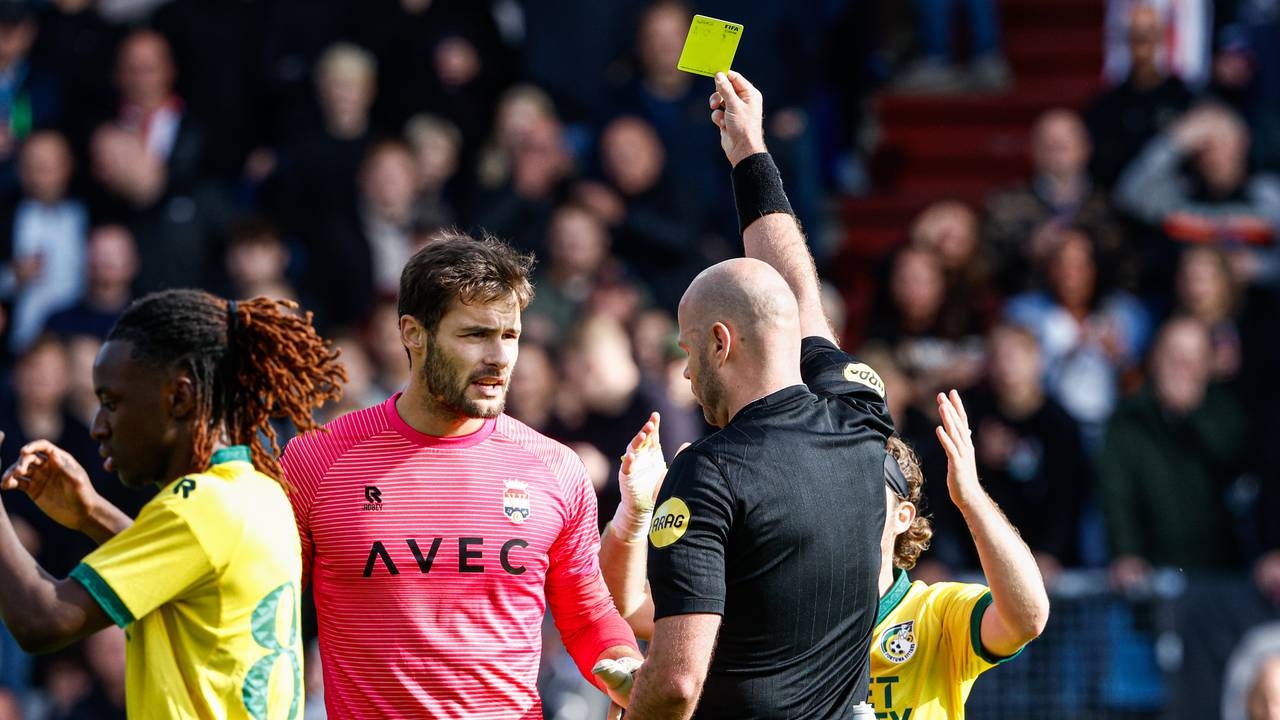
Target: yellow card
x: 710, y: 46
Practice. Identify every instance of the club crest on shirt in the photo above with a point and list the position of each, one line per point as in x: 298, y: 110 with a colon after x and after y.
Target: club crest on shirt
x: 515, y: 500
x: 898, y: 642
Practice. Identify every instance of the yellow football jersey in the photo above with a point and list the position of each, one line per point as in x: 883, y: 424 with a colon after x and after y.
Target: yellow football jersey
x: 206, y: 585
x: 926, y: 650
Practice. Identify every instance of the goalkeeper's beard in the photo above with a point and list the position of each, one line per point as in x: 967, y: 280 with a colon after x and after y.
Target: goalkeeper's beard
x: 447, y: 385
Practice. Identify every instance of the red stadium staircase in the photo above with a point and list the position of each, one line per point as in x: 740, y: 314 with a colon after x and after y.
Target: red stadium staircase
x: 936, y: 147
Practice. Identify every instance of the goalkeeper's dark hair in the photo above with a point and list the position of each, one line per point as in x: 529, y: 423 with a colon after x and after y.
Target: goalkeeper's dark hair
x: 250, y: 361
x: 455, y: 265
x: 908, y: 546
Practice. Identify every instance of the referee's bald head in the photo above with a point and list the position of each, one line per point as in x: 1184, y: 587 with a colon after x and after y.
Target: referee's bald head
x: 740, y: 323
x: 746, y: 292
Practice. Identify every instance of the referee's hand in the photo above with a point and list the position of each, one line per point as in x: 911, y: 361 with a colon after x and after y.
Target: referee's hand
x: 737, y: 108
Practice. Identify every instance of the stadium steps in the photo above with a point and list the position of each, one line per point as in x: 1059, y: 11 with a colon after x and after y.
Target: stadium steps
x: 961, y: 146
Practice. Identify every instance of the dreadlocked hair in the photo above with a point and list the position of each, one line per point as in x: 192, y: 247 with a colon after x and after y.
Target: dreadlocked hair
x: 908, y: 546
x: 250, y: 362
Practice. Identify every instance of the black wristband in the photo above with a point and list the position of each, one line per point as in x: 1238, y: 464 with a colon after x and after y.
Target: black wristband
x: 757, y: 189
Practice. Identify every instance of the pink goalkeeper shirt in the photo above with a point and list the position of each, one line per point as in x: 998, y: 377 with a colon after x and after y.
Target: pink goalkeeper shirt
x: 433, y: 559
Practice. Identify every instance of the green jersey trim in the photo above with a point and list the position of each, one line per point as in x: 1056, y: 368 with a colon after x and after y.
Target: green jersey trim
x: 235, y: 453
x: 98, y: 588
x: 975, y: 633
x: 893, y: 598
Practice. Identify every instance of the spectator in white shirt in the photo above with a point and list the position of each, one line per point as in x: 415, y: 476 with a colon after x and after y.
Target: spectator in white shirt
x: 47, y: 268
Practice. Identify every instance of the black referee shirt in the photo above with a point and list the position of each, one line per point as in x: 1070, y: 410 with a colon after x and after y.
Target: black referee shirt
x: 774, y: 523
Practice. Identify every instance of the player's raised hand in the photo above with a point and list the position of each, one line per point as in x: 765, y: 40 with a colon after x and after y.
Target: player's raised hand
x: 737, y: 108
x: 639, y: 478
x: 54, y: 481
x: 957, y: 441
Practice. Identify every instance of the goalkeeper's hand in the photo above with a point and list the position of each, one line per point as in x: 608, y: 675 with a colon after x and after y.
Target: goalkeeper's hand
x: 639, y: 478
x: 618, y: 675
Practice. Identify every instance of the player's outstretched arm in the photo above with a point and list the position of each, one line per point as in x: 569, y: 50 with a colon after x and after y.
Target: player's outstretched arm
x: 1020, y: 605
x: 41, y: 612
x: 60, y: 487
x: 770, y: 231
x: 670, y: 683
x: 624, y: 545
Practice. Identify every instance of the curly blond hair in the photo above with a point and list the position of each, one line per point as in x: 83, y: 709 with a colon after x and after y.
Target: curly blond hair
x: 908, y: 546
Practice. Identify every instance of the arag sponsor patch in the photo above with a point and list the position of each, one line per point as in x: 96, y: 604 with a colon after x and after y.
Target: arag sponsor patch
x: 670, y: 521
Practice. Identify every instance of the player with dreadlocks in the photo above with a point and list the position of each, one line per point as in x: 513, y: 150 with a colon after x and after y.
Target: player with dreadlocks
x: 207, y: 578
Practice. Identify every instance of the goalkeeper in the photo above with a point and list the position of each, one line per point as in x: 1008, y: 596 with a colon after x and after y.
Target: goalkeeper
x: 930, y: 641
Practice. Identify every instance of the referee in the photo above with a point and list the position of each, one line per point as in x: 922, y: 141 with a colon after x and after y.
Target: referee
x: 764, y: 548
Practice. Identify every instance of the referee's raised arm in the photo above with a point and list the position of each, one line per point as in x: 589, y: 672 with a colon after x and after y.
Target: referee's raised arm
x: 770, y: 231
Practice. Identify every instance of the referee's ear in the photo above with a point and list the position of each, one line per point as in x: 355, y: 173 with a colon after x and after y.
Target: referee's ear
x: 723, y: 340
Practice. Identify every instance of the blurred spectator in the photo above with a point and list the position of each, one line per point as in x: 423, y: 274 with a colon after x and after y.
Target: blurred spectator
x: 607, y: 405
x: 388, y: 179
x: 298, y: 33
x: 1123, y: 118
x: 576, y: 258
x: 359, y: 392
x: 82, y: 399
x: 950, y: 230
x: 47, y: 237
x: 934, y: 71
x: 30, y: 94
x: 317, y: 195
x: 1246, y: 72
x: 79, y: 46
x: 111, y: 269
x: 445, y: 57
x: 36, y: 410
x: 1021, y: 222
x: 519, y: 109
x: 599, y: 34
x: 149, y: 162
x: 654, y: 215
x: 1252, y: 683
x: 1218, y: 200
x: 935, y: 348
x: 256, y: 260
x: 674, y: 104
x: 318, y: 168
x: 1029, y: 452
x: 216, y: 47
x: 1088, y: 333
x: 67, y: 684
x: 529, y: 174
x: 1207, y: 290
x: 437, y: 148
x: 1171, y: 450
x: 382, y: 339
x: 534, y: 386
x: 1186, y: 33
x: 655, y: 337
x: 104, y: 656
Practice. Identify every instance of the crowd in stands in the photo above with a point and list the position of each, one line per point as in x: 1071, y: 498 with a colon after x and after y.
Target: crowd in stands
x: 1111, y: 320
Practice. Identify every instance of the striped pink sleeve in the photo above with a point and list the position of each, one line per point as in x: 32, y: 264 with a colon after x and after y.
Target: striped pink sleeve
x: 304, y: 466
x: 580, y: 602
